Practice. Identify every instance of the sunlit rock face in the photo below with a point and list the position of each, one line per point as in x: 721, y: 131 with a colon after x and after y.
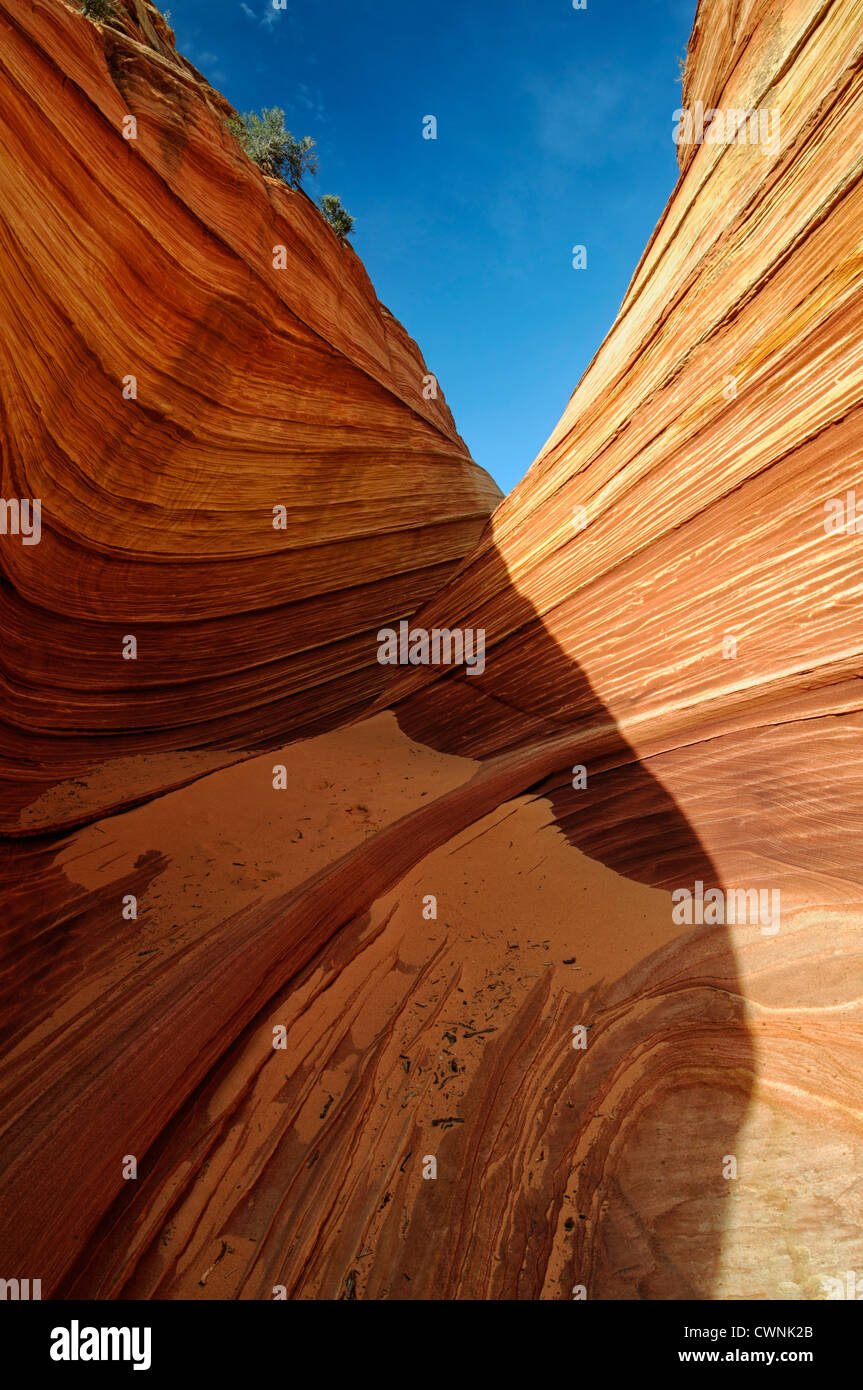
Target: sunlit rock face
x: 241, y: 459
x: 535, y: 981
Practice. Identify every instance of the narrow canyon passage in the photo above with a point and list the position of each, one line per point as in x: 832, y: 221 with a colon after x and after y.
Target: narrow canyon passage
x: 329, y: 980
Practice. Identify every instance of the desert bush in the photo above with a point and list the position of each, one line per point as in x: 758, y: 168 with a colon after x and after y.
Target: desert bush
x: 273, y: 148
x: 338, y: 217
x: 98, y: 9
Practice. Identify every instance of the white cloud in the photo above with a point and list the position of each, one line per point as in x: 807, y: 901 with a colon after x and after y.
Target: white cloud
x: 309, y: 99
x: 206, y: 62
x: 580, y: 119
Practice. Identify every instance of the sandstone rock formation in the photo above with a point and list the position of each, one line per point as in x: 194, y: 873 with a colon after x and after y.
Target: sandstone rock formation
x: 431, y: 911
x: 256, y: 388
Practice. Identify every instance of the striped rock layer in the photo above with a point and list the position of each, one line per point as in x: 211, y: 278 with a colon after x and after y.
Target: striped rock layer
x: 411, y: 1006
x: 283, y: 480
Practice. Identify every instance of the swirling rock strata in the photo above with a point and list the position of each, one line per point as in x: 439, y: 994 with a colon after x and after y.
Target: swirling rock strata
x: 506, y: 1065
x: 148, y: 265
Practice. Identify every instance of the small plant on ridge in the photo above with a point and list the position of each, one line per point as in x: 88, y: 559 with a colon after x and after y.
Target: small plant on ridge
x: 272, y: 147
x: 98, y: 9
x: 338, y: 217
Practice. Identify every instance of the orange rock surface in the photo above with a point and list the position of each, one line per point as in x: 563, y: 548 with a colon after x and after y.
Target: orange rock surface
x: 507, y: 1067
x: 256, y: 388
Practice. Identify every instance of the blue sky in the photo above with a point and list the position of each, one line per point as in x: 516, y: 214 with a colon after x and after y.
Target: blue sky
x: 553, y: 129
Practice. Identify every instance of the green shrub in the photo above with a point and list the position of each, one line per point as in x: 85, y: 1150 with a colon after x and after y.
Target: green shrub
x: 98, y: 9
x: 273, y: 148
x: 338, y: 217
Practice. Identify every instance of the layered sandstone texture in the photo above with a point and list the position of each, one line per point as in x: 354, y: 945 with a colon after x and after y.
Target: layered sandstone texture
x: 241, y: 459
x: 415, y: 1017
